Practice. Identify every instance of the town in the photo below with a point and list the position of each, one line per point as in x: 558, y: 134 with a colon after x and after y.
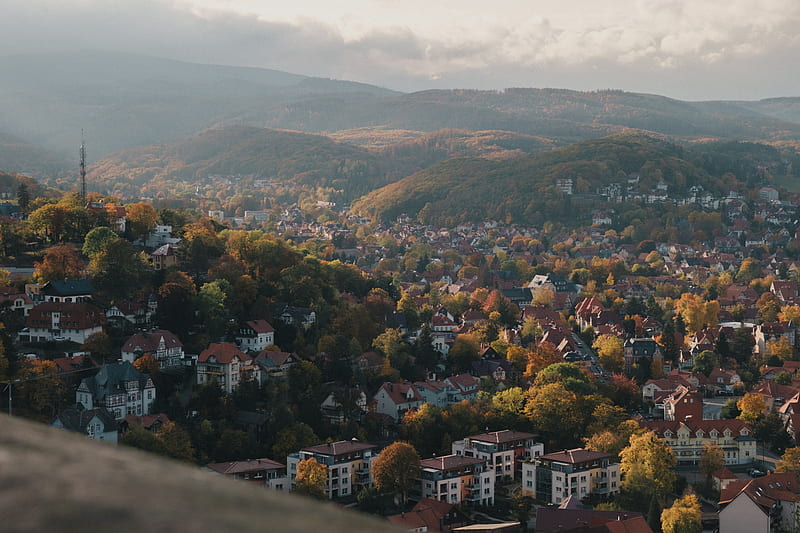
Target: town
x: 529, y: 378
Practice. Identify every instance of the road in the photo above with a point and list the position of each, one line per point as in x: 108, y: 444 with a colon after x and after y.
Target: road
x: 712, y: 406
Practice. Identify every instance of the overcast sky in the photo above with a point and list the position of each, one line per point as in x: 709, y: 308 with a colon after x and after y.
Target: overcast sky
x: 688, y: 49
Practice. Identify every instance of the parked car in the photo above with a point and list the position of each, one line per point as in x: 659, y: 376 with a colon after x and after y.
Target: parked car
x: 754, y: 472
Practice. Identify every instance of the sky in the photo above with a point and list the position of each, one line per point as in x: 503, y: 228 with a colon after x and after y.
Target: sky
x: 686, y: 49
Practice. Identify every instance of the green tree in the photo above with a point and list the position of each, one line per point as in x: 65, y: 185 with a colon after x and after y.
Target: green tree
x: 556, y: 413
x: 571, y: 376
x: 511, y: 400
x: 97, y: 239
x: 211, y: 306
x: 705, y: 362
x: 311, y: 479
x: 685, y: 516
x: 396, y: 469
x: 464, y: 352
x: 118, y: 269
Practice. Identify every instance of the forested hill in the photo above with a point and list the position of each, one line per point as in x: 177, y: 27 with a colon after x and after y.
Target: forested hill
x: 291, y: 158
x: 523, y: 190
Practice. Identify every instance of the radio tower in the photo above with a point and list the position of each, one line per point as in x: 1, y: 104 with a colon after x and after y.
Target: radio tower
x: 83, y: 169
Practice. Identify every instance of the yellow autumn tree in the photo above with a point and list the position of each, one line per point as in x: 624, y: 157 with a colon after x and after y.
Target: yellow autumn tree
x: 312, y: 478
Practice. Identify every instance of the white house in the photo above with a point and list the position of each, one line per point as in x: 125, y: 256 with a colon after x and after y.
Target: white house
x: 554, y: 477
x: 63, y: 321
x: 224, y: 363
x: 163, y: 345
x: 255, y: 335
x: 503, y: 450
x: 760, y: 505
x: 97, y: 424
x: 349, y: 465
x: 394, y: 399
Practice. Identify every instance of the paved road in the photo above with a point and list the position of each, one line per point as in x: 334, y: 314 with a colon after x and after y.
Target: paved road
x: 712, y: 406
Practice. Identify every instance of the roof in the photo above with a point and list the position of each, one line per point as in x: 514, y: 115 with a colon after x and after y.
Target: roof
x: 111, y: 379
x: 147, y: 421
x: 240, y: 467
x: 276, y: 358
x: 449, y: 462
x: 764, y: 491
x: 499, y: 437
x: 398, y: 392
x: 73, y: 287
x: 343, y: 447
x: 148, y: 341
x: 223, y: 352
x: 260, y: 326
x: 80, y: 315
x: 575, y: 455
x: 734, y: 425
x: 553, y: 519
x: 77, y: 418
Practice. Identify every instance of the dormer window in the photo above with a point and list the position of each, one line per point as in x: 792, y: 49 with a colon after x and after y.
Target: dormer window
x: 727, y: 432
x: 668, y: 434
x: 700, y: 433
x: 714, y: 433
x: 745, y: 432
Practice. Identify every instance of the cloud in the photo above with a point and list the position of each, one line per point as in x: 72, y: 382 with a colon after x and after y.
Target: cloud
x: 689, y: 46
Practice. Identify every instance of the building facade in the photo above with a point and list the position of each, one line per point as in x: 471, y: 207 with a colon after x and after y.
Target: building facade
x: 504, y: 451
x: 349, y: 465
x: 457, y: 479
x: 578, y: 473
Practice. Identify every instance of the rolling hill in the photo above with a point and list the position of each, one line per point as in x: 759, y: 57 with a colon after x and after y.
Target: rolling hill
x: 523, y: 190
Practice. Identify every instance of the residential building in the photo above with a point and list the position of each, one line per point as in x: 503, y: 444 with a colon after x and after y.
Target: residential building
x: 97, y: 424
x: 18, y: 300
x: 275, y: 365
x: 395, y: 399
x: 430, y: 515
x: 120, y: 388
x: 683, y: 403
x: 577, y: 520
x: 255, y: 335
x: 224, y: 364
x: 266, y: 472
x: 687, y: 438
x: 164, y: 257
x: 648, y: 349
x: 69, y: 291
x: 349, y: 465
x: 761, y: 505
x: 163, y: 345
x: 553, y: 477
x: 63, y: 321
x: 504, y: 451
x: 457, y: 479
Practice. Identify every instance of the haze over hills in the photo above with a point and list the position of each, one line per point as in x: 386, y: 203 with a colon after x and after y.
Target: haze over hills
x: 122, y: 101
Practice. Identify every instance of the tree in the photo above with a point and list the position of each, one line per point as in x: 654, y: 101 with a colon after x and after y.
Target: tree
x: 540, y: 357
x: 175, y: 442
x: 23, y: 196
x: 60, y: 262
x: 696, y: 312
x: 646, y: 465
x: 556, y: 413
x: 685, y: 516
x: 751, y: 406
x: 141, y: 218
x: 118, y: 269
x: 571, y: 376
x: 511, y: 400
x: 610, y: 351
x: 464, y: 352
x: 396, y: 469
x: 781, y: 348
x: 705, y: 362
x: 41, y: 391
x: 211, y: 306
x: 711, y: 460
x: 97, y: 239
x: 291, y: 439
x: 790, y: 461
x: 312, y: 478
x: 667, y: 341
x: 175, y: 311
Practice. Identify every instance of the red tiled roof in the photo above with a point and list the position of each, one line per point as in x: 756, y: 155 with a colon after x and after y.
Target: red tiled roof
x: 498, y: 437
x: 240, y: 467
x: 148, y: 341
x: 260, y: 326
x: 343, y: 447
x: 223, y: 352
x: 79, y: 315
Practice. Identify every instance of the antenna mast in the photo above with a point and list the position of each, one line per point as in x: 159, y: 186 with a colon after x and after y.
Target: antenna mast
x: 83, y: 169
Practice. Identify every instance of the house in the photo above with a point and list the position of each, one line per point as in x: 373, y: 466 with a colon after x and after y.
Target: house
x: 163, y: 345
x: 275, y: 365
x: 17, y: 300
x: 687, y: 438
x: 395, y: 399
x: 160, y: 236
x: 60, y: 321
x: 773, y: 331
x: 683, y: 403
x: 97, y: 424
x: 336, y: 412
x: 503, y: 450
x: 349, y: 465
x: 430, y: 515
x: 255, y: 335
x: 642, y: 348
x: 291, y: 315
x: 262, y: 472
x: 69, y: 291
x: 457, y: 479
x: 224, y: 364
x: 120, y: 388
x: 137, y: 313
x: 553, y: 477
x: 774, y: 395
x: 151, y: 423
x: 164, y: 257
x: 760, y: 505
